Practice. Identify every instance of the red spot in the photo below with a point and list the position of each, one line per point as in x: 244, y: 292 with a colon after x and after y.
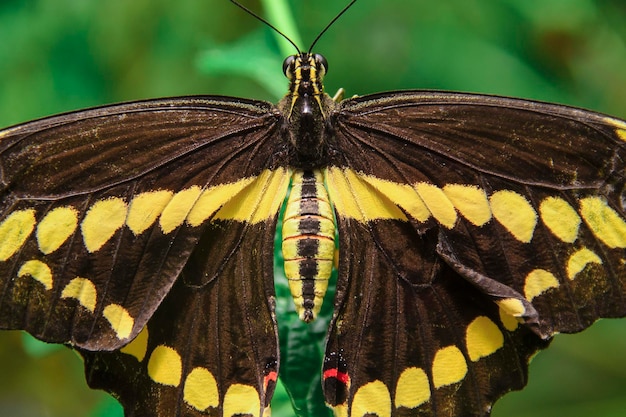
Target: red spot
x: 342, y: 377
x: 270, y: 377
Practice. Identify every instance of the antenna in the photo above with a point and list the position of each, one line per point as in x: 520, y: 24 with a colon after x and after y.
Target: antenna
x: 330, y: 24
x: 256, y: 16
x: 259, y: 18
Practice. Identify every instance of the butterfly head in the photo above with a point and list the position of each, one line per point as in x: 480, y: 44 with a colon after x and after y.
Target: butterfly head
x: 305, y: 72
x: 306, y: 107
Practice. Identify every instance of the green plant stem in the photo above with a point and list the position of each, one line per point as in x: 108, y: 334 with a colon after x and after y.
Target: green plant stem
x: 279, y: 14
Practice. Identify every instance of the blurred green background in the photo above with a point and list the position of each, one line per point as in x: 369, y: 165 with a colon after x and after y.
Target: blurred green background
x: 61, y: 55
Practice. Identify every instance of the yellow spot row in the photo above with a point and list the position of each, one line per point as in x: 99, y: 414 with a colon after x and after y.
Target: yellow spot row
x: 82, y: 290
x: 200, y: 389
x: 250, y: 199
x: 413, y: 388
x: 365, y: 198
x: 353, y: 194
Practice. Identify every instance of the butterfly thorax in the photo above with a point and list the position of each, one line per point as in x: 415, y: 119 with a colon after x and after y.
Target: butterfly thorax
x: 306, y: 109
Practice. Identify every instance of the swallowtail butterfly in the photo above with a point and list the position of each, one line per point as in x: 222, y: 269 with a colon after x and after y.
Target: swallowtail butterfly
x: 470, y: 229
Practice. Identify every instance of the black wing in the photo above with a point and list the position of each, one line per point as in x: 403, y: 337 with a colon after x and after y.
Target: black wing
x: 105, y: 212
x: 491, y: 224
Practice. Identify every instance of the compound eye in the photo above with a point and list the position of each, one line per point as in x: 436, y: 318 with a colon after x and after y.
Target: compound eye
x: 322, y: 64
x: 288, y: 64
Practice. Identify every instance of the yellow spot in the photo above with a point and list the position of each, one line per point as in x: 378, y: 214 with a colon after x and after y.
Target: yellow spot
x: 537, y: 282
x: 438, y: 203
x: 241, y: 399
x: 579, y: 260
x: 14, y: 231
x: 621, y: 133
x: 620, y: 124
x: 82, y: 290
x: 260, y: 200
x: 177, y: 209
x: 200, y: 389
x: 39, y: 271
x: 402, y: 195
x: 515, y: 213
x: 213, y: 198
x: 139, y: 345
x: 165, y: 366
x: 372, y: 398
x: 604, y: 222
x: 483, y: 338
x: 508, y: 321
x: 412, y: 389
x: 54, y: 229
x: 145, y: 208
x: 449, y: 366
x: 356, y: 196
x: 560, y: 218
x: 103, y: 219
x: 512, y: 306
x: 340, y: 410
x: 121, y: 322
x: 470, y: 201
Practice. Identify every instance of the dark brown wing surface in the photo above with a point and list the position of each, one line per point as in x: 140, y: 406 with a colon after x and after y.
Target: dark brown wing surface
x: 105, y: 211
x: 491, y: 225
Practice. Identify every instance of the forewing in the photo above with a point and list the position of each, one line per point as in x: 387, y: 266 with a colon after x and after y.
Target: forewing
x: 474, y: 214
x: 101, y: 209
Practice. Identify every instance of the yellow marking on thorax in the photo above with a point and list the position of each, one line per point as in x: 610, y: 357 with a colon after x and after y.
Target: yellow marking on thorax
x: 560, y: 218
x: 537, y: 282
x: 412, y: 389
x: 200, y: 390
x: 145, y: 208
x: 14, y: 230
x: 449, y: 366
x: 139, y: 345
x: 121, y: 321
x: 241, y: 400
x: 82, y: 290
x: 55, y: 228
x: 38, y: 271
x: 165, y: 366
x: 483, y: 338
x: 104, y: 218
x: 372, y: 398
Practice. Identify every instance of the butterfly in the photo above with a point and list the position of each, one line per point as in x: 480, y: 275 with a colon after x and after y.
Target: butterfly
x: 470, y: 229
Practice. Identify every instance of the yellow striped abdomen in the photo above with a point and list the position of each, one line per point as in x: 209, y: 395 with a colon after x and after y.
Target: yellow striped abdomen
x: 308, y: 242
